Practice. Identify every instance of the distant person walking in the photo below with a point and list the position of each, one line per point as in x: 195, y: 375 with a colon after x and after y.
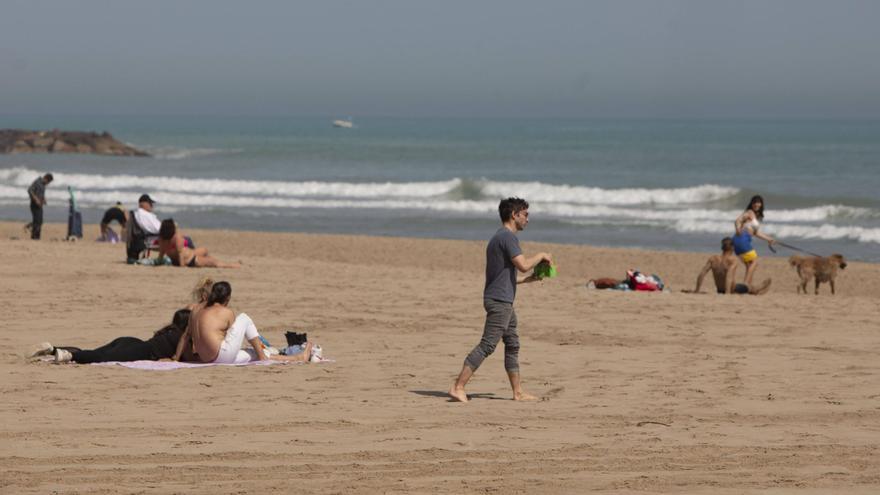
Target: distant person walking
x: 37, y: 193
x: 747, y: 225
x: 503, y: 258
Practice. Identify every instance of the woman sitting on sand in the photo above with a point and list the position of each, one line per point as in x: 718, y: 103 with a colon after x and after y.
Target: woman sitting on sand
x: 747, y: 225
x: 200, y: 293
x: 161, y: 345
x: 171, y: 243
x: 217, y: 334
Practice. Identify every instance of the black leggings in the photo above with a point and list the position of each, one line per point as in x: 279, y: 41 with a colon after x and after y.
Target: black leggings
x: 121, y: 349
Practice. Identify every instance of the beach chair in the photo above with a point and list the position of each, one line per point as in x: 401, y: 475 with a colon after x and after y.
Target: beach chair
x: 138, y: 243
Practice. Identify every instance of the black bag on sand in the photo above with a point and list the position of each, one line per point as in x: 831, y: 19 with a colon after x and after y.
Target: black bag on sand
x: 294, y: 338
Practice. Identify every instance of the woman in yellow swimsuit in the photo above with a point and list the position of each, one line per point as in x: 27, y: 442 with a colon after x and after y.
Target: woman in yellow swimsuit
x: 747, y: 225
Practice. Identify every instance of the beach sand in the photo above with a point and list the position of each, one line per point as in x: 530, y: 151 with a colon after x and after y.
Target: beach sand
x: 642, y: 392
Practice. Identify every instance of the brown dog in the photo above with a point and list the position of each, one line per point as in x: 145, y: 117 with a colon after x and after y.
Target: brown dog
x: 820, y: 269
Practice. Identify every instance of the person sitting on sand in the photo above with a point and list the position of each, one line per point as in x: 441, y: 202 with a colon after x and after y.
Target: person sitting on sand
x: 723, y: 268
x: 144, y: 216
x: 171, y: 243
x: 161, y: 345
x: 200, y: 293
x: 217, y: 334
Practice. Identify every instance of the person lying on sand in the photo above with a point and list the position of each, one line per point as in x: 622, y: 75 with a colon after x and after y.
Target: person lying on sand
x: 723, y: 268
x: 171, y: 243
x: 161, y: 345
x: 217, y: 334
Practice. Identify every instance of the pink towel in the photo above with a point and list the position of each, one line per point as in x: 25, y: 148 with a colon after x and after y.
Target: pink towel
x: 174, y: 365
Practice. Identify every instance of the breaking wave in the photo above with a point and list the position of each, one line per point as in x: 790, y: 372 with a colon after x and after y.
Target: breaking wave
x: 685, y: 210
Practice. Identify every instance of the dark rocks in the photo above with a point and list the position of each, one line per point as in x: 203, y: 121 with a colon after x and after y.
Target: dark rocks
x: 55, y: 141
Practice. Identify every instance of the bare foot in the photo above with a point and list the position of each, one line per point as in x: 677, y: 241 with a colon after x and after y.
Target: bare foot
x: 524, y: 396
x: 458, y: 394
x: 763, y: 288
x: 302, y: 357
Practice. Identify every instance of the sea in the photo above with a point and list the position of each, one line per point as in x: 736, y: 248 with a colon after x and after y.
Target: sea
x: 652, y: 184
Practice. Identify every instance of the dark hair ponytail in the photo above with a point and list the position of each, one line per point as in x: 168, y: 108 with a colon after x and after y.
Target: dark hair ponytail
x: 167, y: 229
x: 220, y: 293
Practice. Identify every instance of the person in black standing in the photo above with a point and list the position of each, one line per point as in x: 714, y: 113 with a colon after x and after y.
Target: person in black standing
x: 37, y: 193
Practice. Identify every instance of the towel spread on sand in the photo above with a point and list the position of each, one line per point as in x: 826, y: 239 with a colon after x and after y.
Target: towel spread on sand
x: 173, y: 365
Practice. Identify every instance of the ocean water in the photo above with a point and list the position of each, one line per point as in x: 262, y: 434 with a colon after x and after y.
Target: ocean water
x: 671, y: 185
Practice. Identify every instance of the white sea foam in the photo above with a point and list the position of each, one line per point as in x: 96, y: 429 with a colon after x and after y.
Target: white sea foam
x: 560, y: 201
x: 171, y: 153
x: 163, y: 184
x: 785, y: 231
x: 537, y: 191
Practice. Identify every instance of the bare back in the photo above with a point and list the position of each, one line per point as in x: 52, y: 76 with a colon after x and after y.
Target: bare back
x: 722, y: 264
x: 172, y: 248
x: 209, y: 326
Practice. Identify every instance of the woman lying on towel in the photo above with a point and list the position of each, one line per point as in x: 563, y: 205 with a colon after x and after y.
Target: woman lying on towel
x: 162, y: 345
x: 171, y: 243
x: 217, y: 334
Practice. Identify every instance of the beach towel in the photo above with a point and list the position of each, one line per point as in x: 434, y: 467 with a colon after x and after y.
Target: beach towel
x: 176, y: 365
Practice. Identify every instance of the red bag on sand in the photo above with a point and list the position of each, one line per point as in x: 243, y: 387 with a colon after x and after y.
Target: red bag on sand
x: 640, y: 281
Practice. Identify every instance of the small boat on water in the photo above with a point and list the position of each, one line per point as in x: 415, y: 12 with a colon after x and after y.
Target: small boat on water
x: 343, y: 123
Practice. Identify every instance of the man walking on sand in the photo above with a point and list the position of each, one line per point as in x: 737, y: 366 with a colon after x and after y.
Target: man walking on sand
x: 37, y: 193
x: 503, y: 258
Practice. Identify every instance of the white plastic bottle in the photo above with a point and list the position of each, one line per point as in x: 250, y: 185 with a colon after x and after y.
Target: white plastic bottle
x: 317, y: 354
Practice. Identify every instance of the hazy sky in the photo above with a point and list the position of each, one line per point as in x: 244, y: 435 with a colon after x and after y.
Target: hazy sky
x: 480, y: 58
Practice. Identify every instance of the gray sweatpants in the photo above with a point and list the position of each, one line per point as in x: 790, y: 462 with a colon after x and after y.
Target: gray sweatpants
x: 500, y: 325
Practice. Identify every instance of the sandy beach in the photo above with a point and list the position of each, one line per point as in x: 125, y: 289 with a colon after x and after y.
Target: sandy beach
x: 642, y: 392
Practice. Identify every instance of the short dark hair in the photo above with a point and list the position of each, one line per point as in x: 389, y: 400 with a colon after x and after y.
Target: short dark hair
x: 167, y: 229
x: 48, y: 177
x: 726, y: 244
x: 220, y: 293
x: 510, y: 206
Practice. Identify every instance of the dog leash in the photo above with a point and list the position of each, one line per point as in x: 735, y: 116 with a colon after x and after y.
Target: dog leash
x: 793, y: 248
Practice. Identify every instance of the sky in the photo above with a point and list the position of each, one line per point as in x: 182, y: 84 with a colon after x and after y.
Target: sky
x: 791, y: 59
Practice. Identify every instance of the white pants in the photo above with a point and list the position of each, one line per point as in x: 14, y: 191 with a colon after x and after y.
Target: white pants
x: 230, y: 350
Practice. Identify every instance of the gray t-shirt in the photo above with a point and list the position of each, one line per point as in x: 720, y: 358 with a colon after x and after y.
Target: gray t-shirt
x: 39, y: 190
x: 500, y: 272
